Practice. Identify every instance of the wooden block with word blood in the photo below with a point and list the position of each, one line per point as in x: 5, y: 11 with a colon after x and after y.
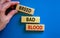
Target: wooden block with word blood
x: 25, y: 9
x: 35, y: 27
x: 30, y: 19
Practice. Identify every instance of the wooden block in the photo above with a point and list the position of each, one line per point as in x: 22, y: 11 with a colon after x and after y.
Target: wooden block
x: 35, y: 27
x: 25, y: 9
x: 30, y: 19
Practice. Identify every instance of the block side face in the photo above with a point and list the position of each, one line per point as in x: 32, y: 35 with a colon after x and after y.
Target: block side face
x: 17, y: 7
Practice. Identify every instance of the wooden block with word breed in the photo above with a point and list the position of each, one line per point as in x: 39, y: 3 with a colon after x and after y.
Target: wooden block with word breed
x: 25, y: 9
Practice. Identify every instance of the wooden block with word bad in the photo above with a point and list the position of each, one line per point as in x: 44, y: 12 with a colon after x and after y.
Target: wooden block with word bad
x: 30, y: 19
x: 35, y: 27
x: 25, y: 9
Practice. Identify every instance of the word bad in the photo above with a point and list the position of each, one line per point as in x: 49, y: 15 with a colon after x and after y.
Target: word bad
x: 25, y: 9
x: 35, y: 27
x: 30, y: 19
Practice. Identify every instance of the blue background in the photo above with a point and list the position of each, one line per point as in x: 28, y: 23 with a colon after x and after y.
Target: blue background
x: 48, y: 10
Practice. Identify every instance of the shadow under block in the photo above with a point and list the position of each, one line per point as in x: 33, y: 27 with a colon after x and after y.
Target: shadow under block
x: 25, y: 9
x: 30, y: 19
x: 35, y: 27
